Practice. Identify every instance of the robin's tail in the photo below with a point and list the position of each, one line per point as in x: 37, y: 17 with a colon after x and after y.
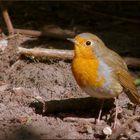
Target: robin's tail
x: 127, y: 82
x: 134, y: 97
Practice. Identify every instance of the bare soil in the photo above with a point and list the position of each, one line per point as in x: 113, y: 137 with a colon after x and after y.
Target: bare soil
x: 26, y: 83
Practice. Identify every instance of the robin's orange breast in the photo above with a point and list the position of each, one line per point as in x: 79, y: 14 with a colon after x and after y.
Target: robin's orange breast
x: 86, y: 72
x: 93, y: 75
x: 95, y: 78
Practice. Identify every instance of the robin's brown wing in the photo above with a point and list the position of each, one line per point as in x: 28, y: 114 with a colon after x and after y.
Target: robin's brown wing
x: 114, y: 60
x: 121, y: 73
x: 127, y: 82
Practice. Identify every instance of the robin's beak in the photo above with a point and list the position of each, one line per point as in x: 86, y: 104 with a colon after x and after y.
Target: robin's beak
x: 73, y: 41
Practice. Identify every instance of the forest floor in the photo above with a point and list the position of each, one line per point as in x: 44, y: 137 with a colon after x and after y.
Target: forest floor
x: 25, y: 83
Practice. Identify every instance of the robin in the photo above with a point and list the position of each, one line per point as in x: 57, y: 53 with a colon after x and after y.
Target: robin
x: 100, y: 71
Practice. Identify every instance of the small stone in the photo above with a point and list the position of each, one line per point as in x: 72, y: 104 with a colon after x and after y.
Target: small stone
x: 38, y: 98
x: 107, y: 131
x: 3, y: 44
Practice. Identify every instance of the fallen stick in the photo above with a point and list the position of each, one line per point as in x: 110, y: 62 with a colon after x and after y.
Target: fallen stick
x: 48, y: 31
x: 132, y: 62
x: 79, y: 119
x: 7, y: 19
x: 63, y: 105
x: 57, y: 32
x: 32, y: 33
x: 39, y: 53
x: 46, y: 53
x: 73, y: 104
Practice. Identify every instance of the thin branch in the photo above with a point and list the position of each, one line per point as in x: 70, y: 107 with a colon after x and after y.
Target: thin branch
x: 132, y: 62
x: 73, y: 104
x: 7, y: 19
x: 46, y: 53
x: 79, y: 119
x: 57, y: 32
x: 31, y: 33
x: 48, y: 31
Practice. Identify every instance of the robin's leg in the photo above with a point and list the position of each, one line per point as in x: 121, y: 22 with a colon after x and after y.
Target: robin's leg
x: 116, y: 112
x: 100, y: 112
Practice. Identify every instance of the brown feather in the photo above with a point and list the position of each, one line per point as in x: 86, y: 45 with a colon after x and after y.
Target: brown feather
x: 120, y: 72
x: 127, y: 82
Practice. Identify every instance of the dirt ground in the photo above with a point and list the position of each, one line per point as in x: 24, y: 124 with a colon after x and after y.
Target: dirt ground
x: 25, y: 83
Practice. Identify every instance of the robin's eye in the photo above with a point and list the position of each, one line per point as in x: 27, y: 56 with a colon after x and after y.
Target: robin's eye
x: 88, y: 43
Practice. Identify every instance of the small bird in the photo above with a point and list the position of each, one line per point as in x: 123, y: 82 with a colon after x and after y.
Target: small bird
x: 100, y: 71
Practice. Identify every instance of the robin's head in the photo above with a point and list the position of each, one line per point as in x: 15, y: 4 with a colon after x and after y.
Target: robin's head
x: 87, y: 45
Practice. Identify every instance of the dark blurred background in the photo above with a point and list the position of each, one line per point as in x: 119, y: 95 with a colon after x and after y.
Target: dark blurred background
x: 117, y: 23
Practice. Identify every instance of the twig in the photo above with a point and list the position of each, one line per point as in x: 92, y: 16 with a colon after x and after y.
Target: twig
x: 11, y: 36
x: 121, y: 130
x: 7, y: 19
x: 46, y: 53
x: 67, y: 54
x: 132, y: 62
x: 73, y: 104
x: 32, y: 33
x: 57, y: 32
x: 77, y: 119
x: 49, y: 31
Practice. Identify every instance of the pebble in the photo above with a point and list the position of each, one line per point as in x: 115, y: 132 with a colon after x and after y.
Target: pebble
x: 107, y: 131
